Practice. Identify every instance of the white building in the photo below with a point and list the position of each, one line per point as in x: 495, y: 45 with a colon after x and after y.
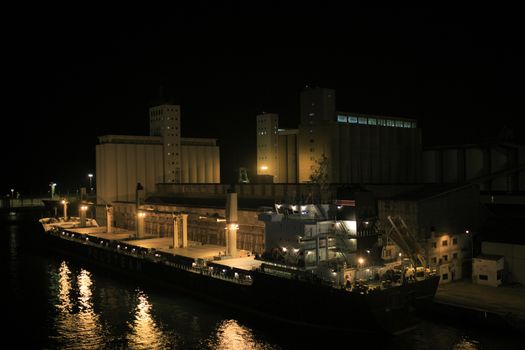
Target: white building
x: 488, y: 270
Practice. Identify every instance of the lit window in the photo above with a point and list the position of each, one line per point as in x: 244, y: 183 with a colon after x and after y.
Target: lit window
x: 406, y: 124
x: 445, y: 257
x: 444, y: 243
x: 434, y: 245
x: 342, y: 118
x: 362, y: 120
x: 352, y: 120
x: 372, y: 121
x: 454, y: 241
x: 399, y: 123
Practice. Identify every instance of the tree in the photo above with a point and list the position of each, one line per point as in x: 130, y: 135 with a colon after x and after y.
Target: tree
x: 319, y: 175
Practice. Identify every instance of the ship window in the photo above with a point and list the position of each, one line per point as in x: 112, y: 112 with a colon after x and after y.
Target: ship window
x: 406, y: 124
x: 483, y: 277
x: 399, y: 123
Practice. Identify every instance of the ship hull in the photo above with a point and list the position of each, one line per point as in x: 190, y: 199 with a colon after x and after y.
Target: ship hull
x: 280, y: 299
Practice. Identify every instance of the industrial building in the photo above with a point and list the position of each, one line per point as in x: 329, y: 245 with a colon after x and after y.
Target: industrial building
x: 358, y: 148
x: 443, y: 219
x: 122, y: 161
x: 498, y: 167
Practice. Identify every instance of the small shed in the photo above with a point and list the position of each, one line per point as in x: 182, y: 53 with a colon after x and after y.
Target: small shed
x: 488, y: 270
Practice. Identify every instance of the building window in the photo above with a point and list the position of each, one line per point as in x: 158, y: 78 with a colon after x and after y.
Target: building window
x: 445, y: 276
x: 455, y: 256
x: 362, y: 120
x: 352, y: 120
x: 372, y: 121
x: 499, y: 275
x: 454, y: 241
x: 483, y: 277
x: 342, y: 118
x: 434, y: 245
x: 434, y: 260
x: 444, y: 243
x: 445, y: 257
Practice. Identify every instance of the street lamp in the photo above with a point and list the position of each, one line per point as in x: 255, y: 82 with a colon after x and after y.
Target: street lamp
x: 52, y: 185
x: 90, y: 182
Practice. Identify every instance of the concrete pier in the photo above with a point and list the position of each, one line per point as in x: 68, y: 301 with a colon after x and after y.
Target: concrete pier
x: 504, y: 305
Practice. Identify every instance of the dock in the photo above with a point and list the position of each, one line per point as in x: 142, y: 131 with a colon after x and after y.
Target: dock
x: 504, y: 305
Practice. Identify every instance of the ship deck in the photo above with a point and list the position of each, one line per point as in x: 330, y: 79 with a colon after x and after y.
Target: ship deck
x: 165, y: 245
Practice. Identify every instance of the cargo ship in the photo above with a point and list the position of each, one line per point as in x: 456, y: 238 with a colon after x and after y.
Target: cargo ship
x: 312, y: 273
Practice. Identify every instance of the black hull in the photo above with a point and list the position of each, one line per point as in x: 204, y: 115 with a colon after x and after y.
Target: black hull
x: 270, y: 297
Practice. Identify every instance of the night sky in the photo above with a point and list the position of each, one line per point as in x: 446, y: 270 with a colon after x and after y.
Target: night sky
x: 74, y: 74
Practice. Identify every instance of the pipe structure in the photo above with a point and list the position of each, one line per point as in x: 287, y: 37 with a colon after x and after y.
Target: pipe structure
x: 231, y: 223
x: 140, y: 223
x: 109, y: 219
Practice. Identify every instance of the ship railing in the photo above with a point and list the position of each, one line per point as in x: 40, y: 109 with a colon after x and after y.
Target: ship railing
x: 137, y: 252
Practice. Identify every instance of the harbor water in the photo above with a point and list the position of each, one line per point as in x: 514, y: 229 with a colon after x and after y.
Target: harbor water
x: 54, y: 302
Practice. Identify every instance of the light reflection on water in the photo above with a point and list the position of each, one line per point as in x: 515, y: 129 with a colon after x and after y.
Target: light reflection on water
x: 77, y: 324
x: 231, y: 335
x: 144, y: 331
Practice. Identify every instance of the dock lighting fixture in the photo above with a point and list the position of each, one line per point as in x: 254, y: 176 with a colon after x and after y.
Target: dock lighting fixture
x: 400, y: 254
x: 339, y: 207
x: 84, y: 208
x: 264, y: 167
x: 466, y: 231
x: 141, y: 214
x: 361, y: 261
x: 367, y: 251
x: 284, y: 249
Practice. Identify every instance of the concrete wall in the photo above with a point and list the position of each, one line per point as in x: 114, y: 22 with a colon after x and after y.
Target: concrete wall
x: 514, y: 258
x: 121, y: 166
x: 200, y: 164
x: 452, y: 212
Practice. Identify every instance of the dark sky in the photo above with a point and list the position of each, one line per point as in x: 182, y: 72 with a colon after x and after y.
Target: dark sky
x: 77, y: 73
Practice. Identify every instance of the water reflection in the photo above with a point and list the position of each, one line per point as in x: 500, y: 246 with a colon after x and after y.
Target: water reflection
x: 466, y: 343
x: 77, y: 324
x: 144, y: 332
x: 231, y: 335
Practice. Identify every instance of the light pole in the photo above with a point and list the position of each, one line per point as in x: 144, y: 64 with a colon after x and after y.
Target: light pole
x: 90, y: 182
x: 52, y: 185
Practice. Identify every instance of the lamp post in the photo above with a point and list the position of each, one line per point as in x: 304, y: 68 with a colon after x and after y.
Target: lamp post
x: 52, y: 185
x: 90, y: 182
